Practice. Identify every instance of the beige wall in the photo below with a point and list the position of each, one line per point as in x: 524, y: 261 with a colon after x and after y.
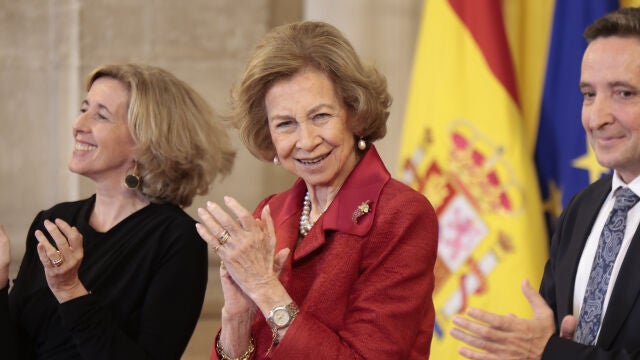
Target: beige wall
x: 384, y: 33
x: 48, y: 47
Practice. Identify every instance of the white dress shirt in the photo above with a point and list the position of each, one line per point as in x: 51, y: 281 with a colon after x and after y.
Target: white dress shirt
x: 589, y: 252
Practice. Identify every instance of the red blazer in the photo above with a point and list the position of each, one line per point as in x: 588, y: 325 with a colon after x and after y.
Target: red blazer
x: 363, y: 283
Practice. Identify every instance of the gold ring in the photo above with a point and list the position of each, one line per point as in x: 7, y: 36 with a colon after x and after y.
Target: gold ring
x: 223, y: 237
x: 59, y: 260
x: 215, y: 248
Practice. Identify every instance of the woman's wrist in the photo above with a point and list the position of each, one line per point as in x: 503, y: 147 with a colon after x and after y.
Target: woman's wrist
x: 279, y: 320
x: 224, y: 355
x: 233, y: 348
x: 71, y: 293
x: 232, y: 312
x: 266, y: 296
x: 235, y: 334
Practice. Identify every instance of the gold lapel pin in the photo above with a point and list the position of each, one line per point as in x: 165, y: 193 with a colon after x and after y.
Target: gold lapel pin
x: 362, y: 209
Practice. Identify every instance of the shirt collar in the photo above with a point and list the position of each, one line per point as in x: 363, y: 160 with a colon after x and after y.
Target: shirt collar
x: 616, y: 182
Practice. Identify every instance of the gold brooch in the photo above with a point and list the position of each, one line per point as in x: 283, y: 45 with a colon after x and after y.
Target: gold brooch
x: 361, y: 210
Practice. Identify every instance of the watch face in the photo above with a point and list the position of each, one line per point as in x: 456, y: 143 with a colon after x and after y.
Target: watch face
x: 281, y: 317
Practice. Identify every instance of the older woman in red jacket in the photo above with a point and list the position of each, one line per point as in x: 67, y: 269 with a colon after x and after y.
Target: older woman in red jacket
x: 340, y: 265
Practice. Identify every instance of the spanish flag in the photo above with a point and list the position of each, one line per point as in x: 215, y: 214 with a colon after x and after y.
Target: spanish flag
x: 467, y: 146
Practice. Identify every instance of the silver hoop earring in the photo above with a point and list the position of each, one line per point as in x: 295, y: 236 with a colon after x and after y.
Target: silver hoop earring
x: 362, y: 144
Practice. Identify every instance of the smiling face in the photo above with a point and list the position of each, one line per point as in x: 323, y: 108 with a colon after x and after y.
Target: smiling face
x: 610, y: 84
x: 103, y: 144
x: 308, y: 126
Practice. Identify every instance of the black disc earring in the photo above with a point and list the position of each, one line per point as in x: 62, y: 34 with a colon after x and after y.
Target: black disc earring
x: 132, y: 181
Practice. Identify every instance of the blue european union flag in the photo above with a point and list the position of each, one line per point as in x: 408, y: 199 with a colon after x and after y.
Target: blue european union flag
x: 561, y: 141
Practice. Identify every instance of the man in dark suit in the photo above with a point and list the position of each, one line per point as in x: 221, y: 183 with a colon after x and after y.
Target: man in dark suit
x: 589, y: 301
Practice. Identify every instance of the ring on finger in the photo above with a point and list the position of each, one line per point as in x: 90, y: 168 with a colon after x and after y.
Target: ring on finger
x: 215, y: 248
x: 58, y: 260
x: 223, y: 237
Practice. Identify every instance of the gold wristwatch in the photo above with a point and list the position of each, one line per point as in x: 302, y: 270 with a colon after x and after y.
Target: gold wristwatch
x: 280, y: 317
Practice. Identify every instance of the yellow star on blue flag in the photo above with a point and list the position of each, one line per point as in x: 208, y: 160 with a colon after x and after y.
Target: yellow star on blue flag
x: 590, y: 163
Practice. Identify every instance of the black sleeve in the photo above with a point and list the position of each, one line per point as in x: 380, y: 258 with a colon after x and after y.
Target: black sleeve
x: 6, y: 331
x: 563, y: 349
x: 547, y: 285
x: 15, y: 343
x: 170, y: 311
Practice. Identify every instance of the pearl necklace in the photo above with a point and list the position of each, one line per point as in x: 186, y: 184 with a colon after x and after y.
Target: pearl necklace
x: 305, y: 217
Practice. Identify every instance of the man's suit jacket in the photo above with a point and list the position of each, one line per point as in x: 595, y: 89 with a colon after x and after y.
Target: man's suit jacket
x: 620, y: 333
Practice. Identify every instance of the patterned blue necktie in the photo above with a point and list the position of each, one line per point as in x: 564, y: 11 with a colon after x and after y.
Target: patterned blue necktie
x: 608, y: 247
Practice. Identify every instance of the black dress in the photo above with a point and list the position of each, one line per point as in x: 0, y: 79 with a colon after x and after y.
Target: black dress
x: 147, y: 277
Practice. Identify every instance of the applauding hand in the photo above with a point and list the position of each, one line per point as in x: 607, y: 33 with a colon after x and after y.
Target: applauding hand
x: 506, y: 336
x: 61, y: 264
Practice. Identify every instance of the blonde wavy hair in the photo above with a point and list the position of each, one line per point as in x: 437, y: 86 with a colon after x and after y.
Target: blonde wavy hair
x: 290, y: 48
x: 180, y: 146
